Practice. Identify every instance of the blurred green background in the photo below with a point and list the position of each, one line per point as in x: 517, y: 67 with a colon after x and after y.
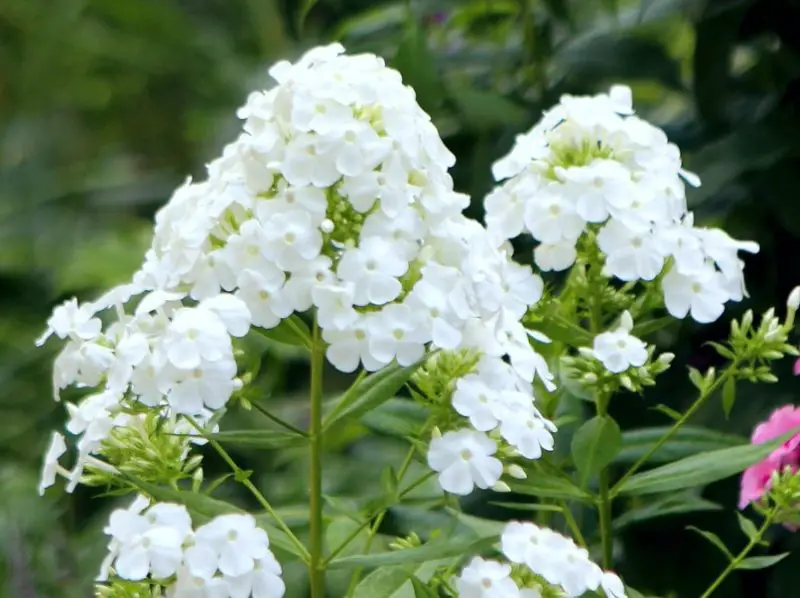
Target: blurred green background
x: 107, y: 105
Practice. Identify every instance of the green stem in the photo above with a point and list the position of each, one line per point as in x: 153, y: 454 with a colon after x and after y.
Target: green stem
x: 373, y: 531
x: 736, y: 561
x: 604, y: 511
x: 316, y: 565
x: 242, y: 477
x: 572, y: 523
x: 710, y: 390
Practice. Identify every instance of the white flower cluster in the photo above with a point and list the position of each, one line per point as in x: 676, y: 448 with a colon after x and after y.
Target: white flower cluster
x: 227, y: 557
x: 555, y: 558
x: 618, y: 349
x: 493, y: 398
x: 335, y: 197
x: 591, y: 164
x: 176, y: 359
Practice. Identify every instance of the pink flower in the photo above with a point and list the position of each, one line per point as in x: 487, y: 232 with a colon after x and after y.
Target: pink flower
x: 796, y: 369
x: 755, y: 479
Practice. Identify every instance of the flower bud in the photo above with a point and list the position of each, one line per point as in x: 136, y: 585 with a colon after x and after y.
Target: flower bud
x: 515, y: 471
x: 666, y: 358
x: 793, y: 302
x: 627, y: 383
x: 436, y: 432
x: 501, y: 487
x: 589, y: 378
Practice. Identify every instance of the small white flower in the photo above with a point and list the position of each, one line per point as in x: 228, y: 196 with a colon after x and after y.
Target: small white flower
x: 50, y: 466
x: 619, y: 350
x: 464, y: 460
x: 72, y: 320
x: 486, y: 579
x: 700, y: 294
x: 395, y: 333
x: 236, y: 540
x: 265, y: 298
x: 373, y: 268
x: 193, y: 336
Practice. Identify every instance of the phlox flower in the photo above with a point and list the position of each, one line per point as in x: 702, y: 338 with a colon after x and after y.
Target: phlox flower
x: 755, y: 479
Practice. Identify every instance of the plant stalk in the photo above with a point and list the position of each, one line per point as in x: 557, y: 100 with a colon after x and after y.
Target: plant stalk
x: 737, y: 560
x: 316, y: 565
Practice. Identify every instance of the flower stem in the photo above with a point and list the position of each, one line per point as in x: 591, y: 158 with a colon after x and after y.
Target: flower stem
x: 737, y: 560
x: 316, y: 565
x: 710, y: 390
x: 242, y: 477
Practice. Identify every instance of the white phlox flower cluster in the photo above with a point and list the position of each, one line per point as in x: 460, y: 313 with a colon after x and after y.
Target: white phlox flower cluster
x: 335, y: 197
x: 497, y: 400
x: 591, y: 165
x: 548, y: 554
x: 177, y: 360
x: 618, y: 349
x: 228, y: 557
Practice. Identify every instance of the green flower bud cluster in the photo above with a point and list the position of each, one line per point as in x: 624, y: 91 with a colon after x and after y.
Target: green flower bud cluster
x: 592, y: 375
x: 753, y: 348
x: 128, y: 589
x: 147, y: 450
x: 347, y: 223
x: 435, y: 383
x: 784, y: 496
x: 527, y: 579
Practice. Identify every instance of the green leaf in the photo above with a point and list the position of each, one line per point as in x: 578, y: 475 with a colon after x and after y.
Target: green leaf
x: 664, y: 507
x: 485, y: 110
x: 728, y: 395
x: 483, y: 528
x: 761, y: 562
x: 417, y: 64
x: 367, y: 394
x: 594, y: 445
x: 457, y: 546
x: 527, y: 506
x: 598, y: 56
x: 697, y: 378
x: 547, y: 486
x: 687, y: 441
x: 422, y: 590
x: 651, y: 326
x: 700, y: 470
x: 668, y: 411
x: 396, y: 417
x: 290, y: 331
x: 398, y: 582
x: 748, y: 527
x: 562, y: 330
x: 266, y: 439
x: 714, y: 539
x: 385, y: 582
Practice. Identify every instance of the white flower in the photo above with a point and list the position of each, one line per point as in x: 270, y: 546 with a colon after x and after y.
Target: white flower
x: 631, y: 254
x: 50, y: 466
x: 72, y: 320
x: 237, y: 542
x: 552, y: 218
x: 231, y: 311
x: 395, y: 333
x: 189, y: 585
x: 619, y: 350
x: 194, y: 336
x: 373, y: 268
x: 474, y: 399
x: 348, y: 347
x: 700, y: 294
x: 555, y: 256
x: 464, y: 460
x: 264, y: 297
x: 264, y: 581
x: 486, y: 579
x: 334, y: 304
x: 527, y: 431
x: 208, y: 385
x: 291, y: 239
